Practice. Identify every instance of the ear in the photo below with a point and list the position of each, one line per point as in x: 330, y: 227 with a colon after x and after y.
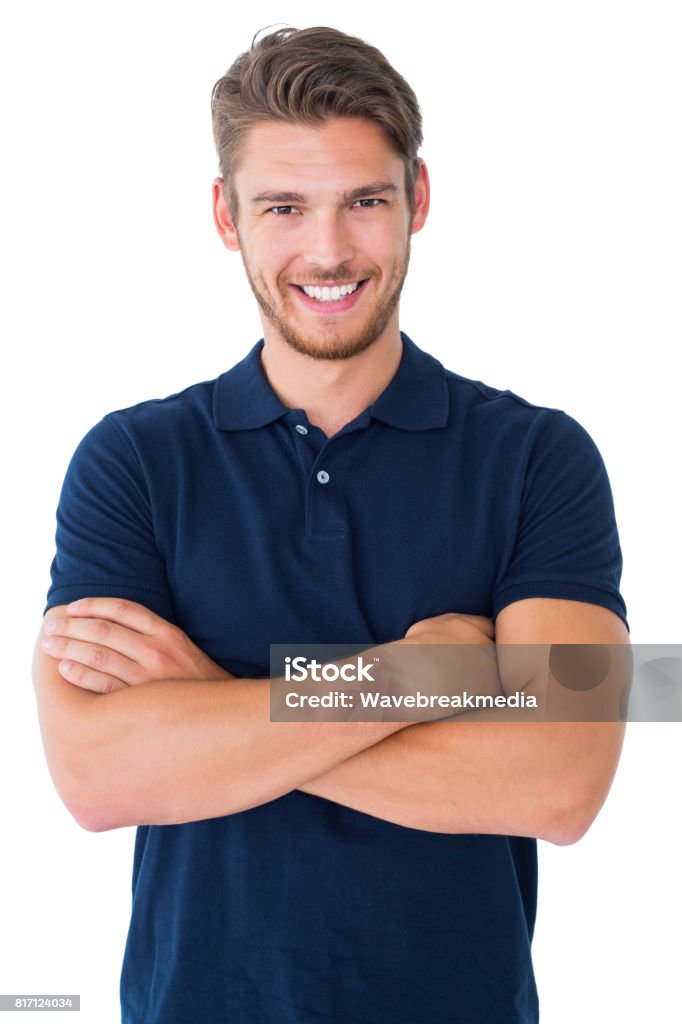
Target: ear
x: 222, y: 217
x: 422, y: 198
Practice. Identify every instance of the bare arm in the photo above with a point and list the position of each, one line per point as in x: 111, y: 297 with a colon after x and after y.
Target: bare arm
x: 192, y: 742
x: 544, y: 779
x: 172, y: 752
x: 506, y: 777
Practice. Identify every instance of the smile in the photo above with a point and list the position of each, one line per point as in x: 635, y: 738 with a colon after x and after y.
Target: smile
x: 327, y: 294
x: 330, y: 299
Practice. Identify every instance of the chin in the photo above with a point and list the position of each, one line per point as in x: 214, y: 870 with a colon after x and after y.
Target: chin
x: 332, y: 348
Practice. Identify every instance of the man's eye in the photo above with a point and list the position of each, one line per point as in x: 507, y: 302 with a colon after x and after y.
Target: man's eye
x: 281, y: 211
x: 369, y: 201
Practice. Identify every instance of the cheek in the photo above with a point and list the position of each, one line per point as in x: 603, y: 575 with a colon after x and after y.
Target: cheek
x: 267, y: 248
x: 384, y: 244
x: 391, y: 257
x: 276, y: 256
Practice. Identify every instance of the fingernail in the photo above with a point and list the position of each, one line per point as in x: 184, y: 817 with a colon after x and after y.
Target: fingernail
x: 64, y: 667
x: 49, y: 642
x: 73, y: 606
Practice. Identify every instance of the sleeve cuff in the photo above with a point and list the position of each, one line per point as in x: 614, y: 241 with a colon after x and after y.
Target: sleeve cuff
x: 158, y: 603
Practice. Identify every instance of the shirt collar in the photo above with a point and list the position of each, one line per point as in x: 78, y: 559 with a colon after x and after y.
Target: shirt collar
x: 416, y: 398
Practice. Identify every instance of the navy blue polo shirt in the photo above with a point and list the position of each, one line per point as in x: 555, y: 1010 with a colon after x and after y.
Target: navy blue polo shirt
x: 233, y: 516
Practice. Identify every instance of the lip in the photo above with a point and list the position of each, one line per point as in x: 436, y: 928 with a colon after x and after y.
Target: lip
x: 334, y: 306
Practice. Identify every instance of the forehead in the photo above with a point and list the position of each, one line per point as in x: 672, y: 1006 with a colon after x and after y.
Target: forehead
x: 334, y: 154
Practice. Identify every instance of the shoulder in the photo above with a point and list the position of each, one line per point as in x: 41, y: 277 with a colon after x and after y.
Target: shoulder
x: 502, y: 417
x: 511, y: 437
x: 156, y: 416
x: 156, y: 425
x: 476, y: 394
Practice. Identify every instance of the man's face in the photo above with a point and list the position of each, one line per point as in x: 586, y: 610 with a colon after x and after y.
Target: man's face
x: 325, y: 208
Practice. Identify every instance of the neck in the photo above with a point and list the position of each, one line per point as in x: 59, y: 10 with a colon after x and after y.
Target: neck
x: 331, y: 391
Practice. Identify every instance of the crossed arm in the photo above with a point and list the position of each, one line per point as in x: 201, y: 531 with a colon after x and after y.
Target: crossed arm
x: 504, y: 777
x: 194, y: 742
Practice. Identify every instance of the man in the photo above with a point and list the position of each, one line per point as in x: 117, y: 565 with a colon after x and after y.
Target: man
x: 336, y: 485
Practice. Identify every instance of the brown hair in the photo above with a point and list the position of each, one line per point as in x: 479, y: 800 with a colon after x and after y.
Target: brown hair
x: 307, y: 76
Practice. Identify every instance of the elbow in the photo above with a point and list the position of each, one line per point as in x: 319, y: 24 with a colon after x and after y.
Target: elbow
x: 82, y: 811
x: 97, y: 825
x: 98, y: 819
x: 77, y: 800
x: 87, y: 788
x: 582, y: 794
x: 566, y: 830
x: 570, y: 820
x: 89, y: 802
x: 95, y: 813
x: 92, y: 820
x: 89, y: 823
x: 74, y: 794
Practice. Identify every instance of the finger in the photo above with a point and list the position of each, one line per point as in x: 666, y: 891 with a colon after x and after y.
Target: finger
x: 93, y: 656
x: 103, y: 632
x: 88, y: 678
x: 118, y: 609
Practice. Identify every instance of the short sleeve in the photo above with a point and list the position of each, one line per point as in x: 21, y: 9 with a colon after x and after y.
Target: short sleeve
x: 567, y: 543
x: 105, y: 545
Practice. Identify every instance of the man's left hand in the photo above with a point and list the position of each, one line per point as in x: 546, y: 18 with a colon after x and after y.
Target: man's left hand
x: 106, y: 643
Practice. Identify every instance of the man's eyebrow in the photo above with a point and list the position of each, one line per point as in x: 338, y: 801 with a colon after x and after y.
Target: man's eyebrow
x: 365, y: 191
x: 375, y: 188
x: 278, y: 197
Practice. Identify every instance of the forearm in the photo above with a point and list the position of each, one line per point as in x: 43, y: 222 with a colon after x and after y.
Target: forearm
x: 176, y: 749
x: 487, y: 771
x: 170, y: 752
x: 496, y: 777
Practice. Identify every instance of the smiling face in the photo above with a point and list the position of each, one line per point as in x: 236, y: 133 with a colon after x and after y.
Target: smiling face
x: 324, y: 231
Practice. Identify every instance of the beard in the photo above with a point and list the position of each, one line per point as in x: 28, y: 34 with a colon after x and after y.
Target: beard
x: 329, y: 343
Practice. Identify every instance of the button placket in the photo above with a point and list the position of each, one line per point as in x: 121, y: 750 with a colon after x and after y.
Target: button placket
x: 306, y: 442
x: 324, y: 516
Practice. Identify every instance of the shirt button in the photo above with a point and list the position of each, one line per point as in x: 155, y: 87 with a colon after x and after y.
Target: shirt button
x: 323, y: 476
x: 301, y: 429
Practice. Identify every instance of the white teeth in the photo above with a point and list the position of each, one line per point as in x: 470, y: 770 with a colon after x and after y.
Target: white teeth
x: 329, y: 294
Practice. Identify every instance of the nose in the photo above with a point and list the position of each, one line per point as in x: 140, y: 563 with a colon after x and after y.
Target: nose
x: 328, y: 241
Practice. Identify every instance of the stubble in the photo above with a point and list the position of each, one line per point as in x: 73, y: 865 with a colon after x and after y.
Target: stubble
x: 331, y: 344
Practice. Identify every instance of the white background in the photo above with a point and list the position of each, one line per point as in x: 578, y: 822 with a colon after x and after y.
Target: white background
x: 550, y: 265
